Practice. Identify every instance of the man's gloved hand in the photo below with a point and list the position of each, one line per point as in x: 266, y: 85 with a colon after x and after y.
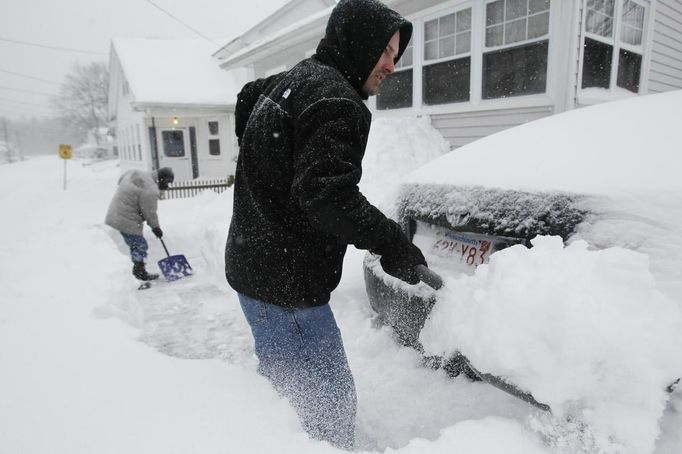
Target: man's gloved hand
x: 157, y: 231
x: 402, y: 261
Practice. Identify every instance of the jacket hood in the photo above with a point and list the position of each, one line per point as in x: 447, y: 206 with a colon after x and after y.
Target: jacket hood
x: 357, y: 34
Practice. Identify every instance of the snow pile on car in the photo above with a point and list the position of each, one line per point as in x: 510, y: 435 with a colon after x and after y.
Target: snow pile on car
x: 612, y: 148
x: 585, y: 331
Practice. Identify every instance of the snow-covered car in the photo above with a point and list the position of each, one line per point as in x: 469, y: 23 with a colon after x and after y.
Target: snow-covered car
x: 608, y: 174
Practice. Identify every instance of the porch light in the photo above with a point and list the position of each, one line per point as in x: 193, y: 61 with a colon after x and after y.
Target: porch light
x: 175, y: 121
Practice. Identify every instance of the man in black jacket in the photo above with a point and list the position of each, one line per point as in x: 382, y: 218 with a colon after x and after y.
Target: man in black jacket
x: 297, y: 206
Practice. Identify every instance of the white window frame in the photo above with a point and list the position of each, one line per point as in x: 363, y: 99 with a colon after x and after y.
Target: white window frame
x: 475, y: 103
x: 614, y: 91
x: 548, y: 37
x: 449, y: 12
x: 210, y: 136
x: 516, y: 43
x: 460, y: 6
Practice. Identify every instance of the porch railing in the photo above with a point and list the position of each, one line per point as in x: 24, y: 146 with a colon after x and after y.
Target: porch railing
x: 184, y: 189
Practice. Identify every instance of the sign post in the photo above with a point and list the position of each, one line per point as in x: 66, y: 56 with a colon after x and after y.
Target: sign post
x: 65, y: 152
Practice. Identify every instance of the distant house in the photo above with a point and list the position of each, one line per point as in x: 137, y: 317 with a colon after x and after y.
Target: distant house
x: 172, y: 106
x: 96, y: 147
x: 476, y: 67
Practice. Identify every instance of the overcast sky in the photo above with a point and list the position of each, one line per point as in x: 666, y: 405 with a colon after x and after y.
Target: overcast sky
x: 89, y: 26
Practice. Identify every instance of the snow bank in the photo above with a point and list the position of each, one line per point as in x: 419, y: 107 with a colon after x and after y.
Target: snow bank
x: 75, y: 381
x: 585, y: 331
x: 204, y: 237
x: 473, y: 437
x: 395, y: 147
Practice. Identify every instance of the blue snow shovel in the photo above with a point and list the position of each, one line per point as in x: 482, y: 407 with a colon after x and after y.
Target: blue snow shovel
x: 174, y: 267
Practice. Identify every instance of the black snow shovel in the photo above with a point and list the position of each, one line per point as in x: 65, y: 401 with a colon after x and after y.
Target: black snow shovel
x: 434, y: 281
x: 174, y: 267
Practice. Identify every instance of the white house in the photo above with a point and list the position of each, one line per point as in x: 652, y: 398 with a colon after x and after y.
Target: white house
x: 172, y: 106
x: 476, y: 67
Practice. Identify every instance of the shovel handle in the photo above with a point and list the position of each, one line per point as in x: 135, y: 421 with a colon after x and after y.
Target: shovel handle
x: 429, y: 277
x: 164, y: 246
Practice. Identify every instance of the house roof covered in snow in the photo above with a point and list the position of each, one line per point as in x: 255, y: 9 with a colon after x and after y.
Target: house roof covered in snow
x: 163, y: 71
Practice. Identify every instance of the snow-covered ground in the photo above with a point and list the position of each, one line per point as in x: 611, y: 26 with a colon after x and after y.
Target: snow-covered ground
x: 90, y: 364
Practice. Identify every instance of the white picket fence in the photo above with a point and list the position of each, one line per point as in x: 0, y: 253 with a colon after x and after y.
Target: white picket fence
x: 184, y: 189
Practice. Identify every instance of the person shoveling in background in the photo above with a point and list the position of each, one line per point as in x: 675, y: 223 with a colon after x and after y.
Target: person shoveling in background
x: 136, y: 201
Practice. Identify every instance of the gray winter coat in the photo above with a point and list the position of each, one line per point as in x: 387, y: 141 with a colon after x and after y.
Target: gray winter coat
x: 136, y: 201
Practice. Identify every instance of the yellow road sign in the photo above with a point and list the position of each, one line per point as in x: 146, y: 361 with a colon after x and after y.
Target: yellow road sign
x: 65, y: 151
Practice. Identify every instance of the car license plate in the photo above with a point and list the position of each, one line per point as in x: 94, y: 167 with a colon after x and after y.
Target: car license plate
x: 461, y: 250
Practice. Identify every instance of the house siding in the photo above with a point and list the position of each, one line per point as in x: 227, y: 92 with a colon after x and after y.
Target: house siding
x: 665, y: 71
x: 461, y: 128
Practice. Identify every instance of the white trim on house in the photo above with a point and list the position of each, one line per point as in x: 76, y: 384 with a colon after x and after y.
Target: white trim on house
x: 282, y: 40
x: 660, y: 70
x: 275, y: 70
x: 293, y: 11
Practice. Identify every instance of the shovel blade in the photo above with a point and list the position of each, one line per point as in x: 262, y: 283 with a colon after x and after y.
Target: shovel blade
x: 175, y: 267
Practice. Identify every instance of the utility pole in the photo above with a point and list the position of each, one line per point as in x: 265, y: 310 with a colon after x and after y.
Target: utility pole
x: 19, y: 155
x: 6, y: 136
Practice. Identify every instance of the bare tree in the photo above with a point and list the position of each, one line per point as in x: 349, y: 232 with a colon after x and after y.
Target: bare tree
x: 82, y: 100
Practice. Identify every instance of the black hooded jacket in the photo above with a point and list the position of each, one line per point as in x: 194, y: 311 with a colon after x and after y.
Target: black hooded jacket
x: 302, y: 136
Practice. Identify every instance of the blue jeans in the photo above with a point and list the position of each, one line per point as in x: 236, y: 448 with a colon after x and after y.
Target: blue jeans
x: 138, y: 246
x: 300, y: 351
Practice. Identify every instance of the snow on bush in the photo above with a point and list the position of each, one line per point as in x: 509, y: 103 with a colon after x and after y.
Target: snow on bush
x: 586, y: 331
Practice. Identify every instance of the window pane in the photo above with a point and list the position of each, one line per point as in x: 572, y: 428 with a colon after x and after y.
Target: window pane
x: 493, y: 36
x: 463, y: 43
x: 464, y: 20
x: 517, y: 71
x: 494, y: 13
x: 447, y: 25
x: 214, y: 147
x: 633, y: 14
x: 395, y: 91
x: 603, y: 6
x: 536, y: 6
x: 596, y: 64
x: 447, y: 82
x: 213, y: 128
x: 516, y: 9
x: 173, y: 144
x: 538, y: 25
x: 631, y: 35
x: 629, y: 67
x: 599, y: 24
x: 515, y: 31
x: 431, y: 50
x: 431, y: 30
x: 406, y: 59
x: 446, y: 47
